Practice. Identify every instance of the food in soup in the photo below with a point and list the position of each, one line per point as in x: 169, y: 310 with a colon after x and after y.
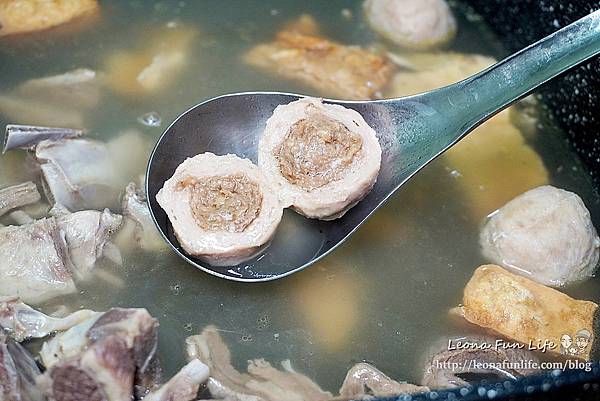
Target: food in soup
x: 183, y: 386
x: 451, y: 366
x: 412, y: 23
x: 18, y: 371
x: 65, y: 100
x: 222, y: 208
x: 38, y: 261
x: 321, y: 158
x: 20, y: 16
x: 17, y: 196
x: 110, y: 356
x: 138, y: 224
x: 348, y: 72
x: 82, y: 174
x: 28, y: 136
x: 24, y: 322
x: 262, y: 382
x: 525, y: 311
x: 163, y: 54
x: 545, y: 234
x: 364, y: 381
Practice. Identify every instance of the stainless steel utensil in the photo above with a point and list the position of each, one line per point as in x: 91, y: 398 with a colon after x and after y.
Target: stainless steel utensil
x: 412, y: 130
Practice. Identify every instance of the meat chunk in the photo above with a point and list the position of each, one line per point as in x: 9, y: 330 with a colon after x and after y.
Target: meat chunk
x: 27, y: 136
x: 322, y: 158
x: 412, y: 23
x: 110, y: 355
x: 545, y: 234
x: 18, y: 196
x: 221, y: 208
x: 84, y: 174
x: 364, y: 381
x: 19, y: 16
x: 525, y: 311
x: 38, y: 260
x: 24, y: 322
x: 184, y: 385
x: 64, y: 100
x: 18, y: 372
x: 452, y: 367
x: 333, y: 69
x: 262, y: 382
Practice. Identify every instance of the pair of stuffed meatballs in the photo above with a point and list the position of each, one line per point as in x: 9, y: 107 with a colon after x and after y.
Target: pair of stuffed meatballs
x: 318, y: 159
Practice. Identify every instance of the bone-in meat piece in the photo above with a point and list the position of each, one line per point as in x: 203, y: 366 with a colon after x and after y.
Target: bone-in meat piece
x: 28, y: 136
x: 18, y: 196
x: 113, y: 352
x: 38, y: 260
x: 333, y: 69
x: 184, y: 385
x: 364, y: 381
x: 18, y: 372
x: 524, y: 310
x: 135, y: 209
x: 23, y: 322
x: 262, y: 382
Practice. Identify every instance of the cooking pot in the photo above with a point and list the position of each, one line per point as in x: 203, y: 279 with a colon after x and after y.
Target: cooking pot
x: 572, y: 103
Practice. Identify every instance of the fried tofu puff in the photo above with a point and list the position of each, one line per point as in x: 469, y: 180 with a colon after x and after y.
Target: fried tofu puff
x: 321, y: 158
x: 221, y: 208
x: 525, y: 311
x: 21, y: 16
x: 299, y: 53
x: 417, y: 24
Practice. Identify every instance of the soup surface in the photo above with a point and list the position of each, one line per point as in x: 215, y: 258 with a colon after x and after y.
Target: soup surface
x: 384, y: 296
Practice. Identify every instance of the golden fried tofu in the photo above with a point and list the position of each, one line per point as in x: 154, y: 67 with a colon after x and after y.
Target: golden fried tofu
x: 335, y: 70
x: 493, y: 164
x: 530, y: 313
x: 151, y: 68
x: 20, y: 16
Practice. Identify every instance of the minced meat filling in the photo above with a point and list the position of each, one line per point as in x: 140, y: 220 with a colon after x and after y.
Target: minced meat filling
x: 224, y: 203
x: 316, y: 151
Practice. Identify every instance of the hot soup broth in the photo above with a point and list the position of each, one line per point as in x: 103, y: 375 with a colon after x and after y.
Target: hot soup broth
x: 382, y: 297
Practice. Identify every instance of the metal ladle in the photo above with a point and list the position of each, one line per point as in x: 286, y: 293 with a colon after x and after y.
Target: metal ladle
x: 412, y: 131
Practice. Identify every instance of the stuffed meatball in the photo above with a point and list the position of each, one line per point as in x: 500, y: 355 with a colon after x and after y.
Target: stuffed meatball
x: 321, y: 158
x: 545, y: 234
x: 221, y: 208
x: 412, y: 23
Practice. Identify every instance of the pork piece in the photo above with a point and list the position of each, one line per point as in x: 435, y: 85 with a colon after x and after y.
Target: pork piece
x: 18, y: 372
x: 412, y: 23
x: 333, y: 69
x: 38, y: 260
x: 521, y: 309
x: 143, y: 230
x: 24, y: 322
x: 184, y: 385
x: 364, y: 381
x: 28, y: 136
x: 84, y: 174
x: 20, y: 16
x: 262, y: 382
x: 63, y: 100
x: 452, y: 366
x: 113, y: 353
x: 545, y: 234
x: 222, y: 208
x: 322, y: 159
x: 18, y: 196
